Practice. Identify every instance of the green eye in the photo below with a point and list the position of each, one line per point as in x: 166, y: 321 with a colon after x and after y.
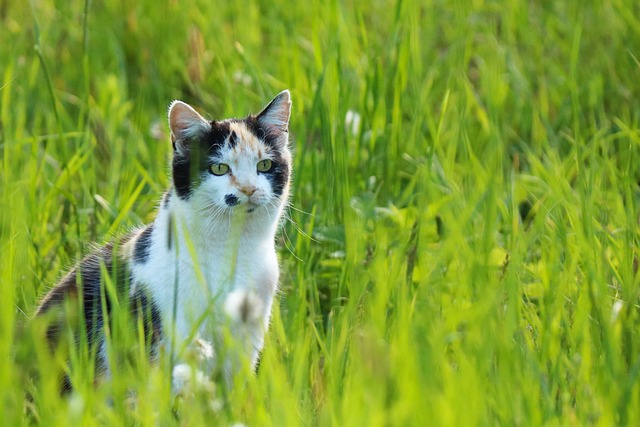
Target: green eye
x: 219, y: 169
x: 265, y: 165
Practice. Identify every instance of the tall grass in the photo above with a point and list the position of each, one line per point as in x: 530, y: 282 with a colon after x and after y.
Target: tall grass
x: 463, y: 252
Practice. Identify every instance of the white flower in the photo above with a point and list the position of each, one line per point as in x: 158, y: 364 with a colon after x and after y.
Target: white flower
x: 182, y: 377
x: 352, y: 122
x: 76, y: 404
x: 156, y: 130
x: 216, y: 405
x: 204, y: 349
x: 240, y: 77
x: 615, y: 310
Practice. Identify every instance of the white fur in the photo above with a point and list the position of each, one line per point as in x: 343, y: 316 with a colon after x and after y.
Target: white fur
x: 217, y: 255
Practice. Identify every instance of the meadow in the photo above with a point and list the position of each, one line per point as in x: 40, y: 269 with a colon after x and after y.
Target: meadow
x: 462, y: 242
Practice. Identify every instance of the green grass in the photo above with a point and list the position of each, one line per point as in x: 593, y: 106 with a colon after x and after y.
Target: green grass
x: 413, y: 291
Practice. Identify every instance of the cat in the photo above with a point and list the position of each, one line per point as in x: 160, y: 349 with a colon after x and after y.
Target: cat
x: 208, y: 260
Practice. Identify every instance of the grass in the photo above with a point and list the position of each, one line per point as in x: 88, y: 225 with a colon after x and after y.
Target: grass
x: 466, y: 250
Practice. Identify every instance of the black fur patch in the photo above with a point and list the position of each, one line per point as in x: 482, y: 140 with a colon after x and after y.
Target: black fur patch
x: 143, y: 243
x: 143, y: 306
x: 233, y: 140
x: 189, y: 169
x: 182, y: 176
x: 278, y: 176
x: 84, y: 285
x: 166, y: 198
x: 231, y: 200
x: 83, y: 291
x: 254, y: 126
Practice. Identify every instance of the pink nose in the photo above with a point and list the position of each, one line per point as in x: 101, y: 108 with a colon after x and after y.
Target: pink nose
x: 248, y: 190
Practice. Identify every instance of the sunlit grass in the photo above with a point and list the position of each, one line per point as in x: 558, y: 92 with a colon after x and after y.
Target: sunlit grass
x: 465, y: 255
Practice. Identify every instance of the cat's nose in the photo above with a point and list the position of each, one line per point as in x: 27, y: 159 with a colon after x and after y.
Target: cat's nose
x: 248, y: 190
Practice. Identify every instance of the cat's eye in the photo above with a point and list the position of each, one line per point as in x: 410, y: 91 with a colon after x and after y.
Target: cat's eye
x: 219, y: 169
x: 265, y: 165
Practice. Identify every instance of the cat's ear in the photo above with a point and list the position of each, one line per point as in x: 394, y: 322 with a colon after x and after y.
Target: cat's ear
x: 185, y: 123
x: 274, y: 119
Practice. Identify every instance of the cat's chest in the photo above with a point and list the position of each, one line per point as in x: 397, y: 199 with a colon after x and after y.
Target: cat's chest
x: 251, y: 264
x: 201, y: 276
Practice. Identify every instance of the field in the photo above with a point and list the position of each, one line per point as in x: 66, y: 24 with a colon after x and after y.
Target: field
x: 462, y: 242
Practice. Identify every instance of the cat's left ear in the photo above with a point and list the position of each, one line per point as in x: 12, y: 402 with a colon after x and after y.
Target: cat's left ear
x: 185, y: 124
x: 274, y: 119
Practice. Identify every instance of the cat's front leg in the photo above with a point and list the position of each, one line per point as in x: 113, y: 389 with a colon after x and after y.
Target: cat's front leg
x: 247, y: 314
x: 193, y: 373
x: 237, y: 342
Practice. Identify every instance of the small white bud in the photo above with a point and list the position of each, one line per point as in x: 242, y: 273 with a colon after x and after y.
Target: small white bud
x: 156, y: 130
x: 240, y: 77
x: 204, y: 349
x: 216, y: 405
x: 352, y: 122
x: 615, y: 310
x: 183, y: 375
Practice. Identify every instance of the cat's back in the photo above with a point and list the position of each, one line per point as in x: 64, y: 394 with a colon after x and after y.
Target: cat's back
x: 79, y: 300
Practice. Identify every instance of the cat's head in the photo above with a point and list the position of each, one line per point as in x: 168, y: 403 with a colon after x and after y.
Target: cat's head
x: 232, y: 164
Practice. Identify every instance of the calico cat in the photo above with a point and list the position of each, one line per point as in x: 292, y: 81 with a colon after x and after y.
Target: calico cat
x: 207, y: 264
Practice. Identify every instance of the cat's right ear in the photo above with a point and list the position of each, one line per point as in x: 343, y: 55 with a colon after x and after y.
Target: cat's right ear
x: 185, y: 123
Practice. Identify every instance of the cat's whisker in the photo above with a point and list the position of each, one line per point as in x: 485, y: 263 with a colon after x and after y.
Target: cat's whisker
x: 286, y: 215
x: 212, y: 219
x: 207, y: 208
x: 287, y: 240
x: 289, y: 245
x: 289, y: 206
x: 267, y: 211
x: 211, y: 211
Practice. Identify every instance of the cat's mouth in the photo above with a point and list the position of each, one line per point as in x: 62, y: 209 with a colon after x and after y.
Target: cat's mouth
x: 251, y: 207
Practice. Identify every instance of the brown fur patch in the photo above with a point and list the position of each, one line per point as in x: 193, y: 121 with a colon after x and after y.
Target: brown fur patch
x: 248, y: 140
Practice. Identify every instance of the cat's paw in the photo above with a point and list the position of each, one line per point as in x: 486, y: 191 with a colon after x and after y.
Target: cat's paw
x: 187, y: 381
x: 244, y: 306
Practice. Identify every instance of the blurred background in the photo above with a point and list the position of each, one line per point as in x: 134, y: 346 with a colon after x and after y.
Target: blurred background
x: 462, y: 243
